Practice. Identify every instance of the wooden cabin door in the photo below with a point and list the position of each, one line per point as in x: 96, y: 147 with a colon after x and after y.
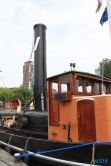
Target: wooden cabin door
x: 53, y: 104
x: 86, y: 121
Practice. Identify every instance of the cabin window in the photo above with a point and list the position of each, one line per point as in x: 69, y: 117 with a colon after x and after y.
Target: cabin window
x: 109, y: 88
x: 79, y: 84
x: 65, y: 84
x: 96, y: 88
x: 53, y: 104
x: 88, y: 86
x: 103, y: 87
x: 55, y: 87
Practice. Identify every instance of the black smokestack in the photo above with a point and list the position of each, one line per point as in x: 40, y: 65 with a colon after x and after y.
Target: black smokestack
x: 40, y: 71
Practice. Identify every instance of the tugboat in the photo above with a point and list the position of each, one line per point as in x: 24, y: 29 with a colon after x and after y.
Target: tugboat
x: 71, y: 120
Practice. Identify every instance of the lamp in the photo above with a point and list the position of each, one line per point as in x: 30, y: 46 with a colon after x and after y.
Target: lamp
x: 72, y: 65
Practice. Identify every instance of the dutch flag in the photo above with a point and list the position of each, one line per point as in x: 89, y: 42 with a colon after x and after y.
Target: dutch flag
x: 99, y: 5
x: 104, y: 17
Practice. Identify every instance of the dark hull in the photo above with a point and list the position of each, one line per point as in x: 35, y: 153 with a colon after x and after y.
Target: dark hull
x: 81, y: 153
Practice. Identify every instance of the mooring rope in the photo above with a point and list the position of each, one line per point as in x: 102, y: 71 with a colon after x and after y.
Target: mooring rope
x: 61, y: 149
x: 93, y: 153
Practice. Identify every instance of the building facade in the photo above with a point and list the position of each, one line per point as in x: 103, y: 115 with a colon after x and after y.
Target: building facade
x: 28, y: 74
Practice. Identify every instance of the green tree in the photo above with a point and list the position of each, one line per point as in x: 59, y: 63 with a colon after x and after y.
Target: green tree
x: 2, y: 94
x: 105, y: 68
x: 5, y: 94
x: 21, y: 93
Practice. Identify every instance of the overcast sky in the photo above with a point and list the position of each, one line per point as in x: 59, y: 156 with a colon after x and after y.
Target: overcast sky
x: 73, y: 35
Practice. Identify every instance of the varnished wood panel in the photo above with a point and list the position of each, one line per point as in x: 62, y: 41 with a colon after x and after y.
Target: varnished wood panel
x: 86, y: 121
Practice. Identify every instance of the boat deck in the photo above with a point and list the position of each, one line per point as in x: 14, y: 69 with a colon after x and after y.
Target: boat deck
x: 7, y: 160
x: 8, y: 112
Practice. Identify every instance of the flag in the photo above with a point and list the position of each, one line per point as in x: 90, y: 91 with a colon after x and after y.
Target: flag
x: 104, y: 17
x: 99, y: 6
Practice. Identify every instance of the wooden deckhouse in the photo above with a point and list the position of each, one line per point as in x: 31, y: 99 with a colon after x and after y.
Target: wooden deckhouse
x: 79, y: 107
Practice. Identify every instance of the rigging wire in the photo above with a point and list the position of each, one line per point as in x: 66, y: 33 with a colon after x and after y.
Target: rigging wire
x: 32, y: 49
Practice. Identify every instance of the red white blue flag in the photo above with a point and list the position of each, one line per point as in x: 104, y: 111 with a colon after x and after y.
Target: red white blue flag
x: 99, y: 5
x: 104, y: 17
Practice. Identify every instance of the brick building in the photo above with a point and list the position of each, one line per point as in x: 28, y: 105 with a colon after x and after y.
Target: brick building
x: 28, y: 74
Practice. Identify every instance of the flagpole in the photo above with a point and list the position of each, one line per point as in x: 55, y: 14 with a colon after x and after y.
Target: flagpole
x: 109, y: 14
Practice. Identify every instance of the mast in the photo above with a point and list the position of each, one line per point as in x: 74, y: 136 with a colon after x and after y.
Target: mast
x: 109, y: 14
x: 40, y: 72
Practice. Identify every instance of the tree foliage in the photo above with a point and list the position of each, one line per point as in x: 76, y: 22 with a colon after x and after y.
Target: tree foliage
x: 21, y: 93
x: 105, y: 68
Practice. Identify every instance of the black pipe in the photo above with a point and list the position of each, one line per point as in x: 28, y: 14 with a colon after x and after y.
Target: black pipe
x: 40, y: 71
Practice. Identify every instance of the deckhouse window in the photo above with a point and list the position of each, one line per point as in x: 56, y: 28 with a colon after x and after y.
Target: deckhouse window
x: 109, y: 88
x: 88, y: 86
x: 65, y: 84
x: 79, y: 84
x: 55, y: 87
x: 103, y: 87
x: 96, y: 88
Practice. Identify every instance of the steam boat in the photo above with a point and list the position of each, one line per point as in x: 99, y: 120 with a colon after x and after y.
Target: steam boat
x: 71, y: 120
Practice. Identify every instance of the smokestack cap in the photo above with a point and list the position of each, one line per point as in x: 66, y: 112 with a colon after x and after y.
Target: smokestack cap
x: 39, y: 25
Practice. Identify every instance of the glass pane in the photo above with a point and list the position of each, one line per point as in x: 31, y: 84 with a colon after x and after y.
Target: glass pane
x: 88, y: 86
x: 109, y: 88
x: 96, y: 88
x: 65, y: 84
x: 79, y: 84
x: 55, y: 87
x: 103, y: 88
